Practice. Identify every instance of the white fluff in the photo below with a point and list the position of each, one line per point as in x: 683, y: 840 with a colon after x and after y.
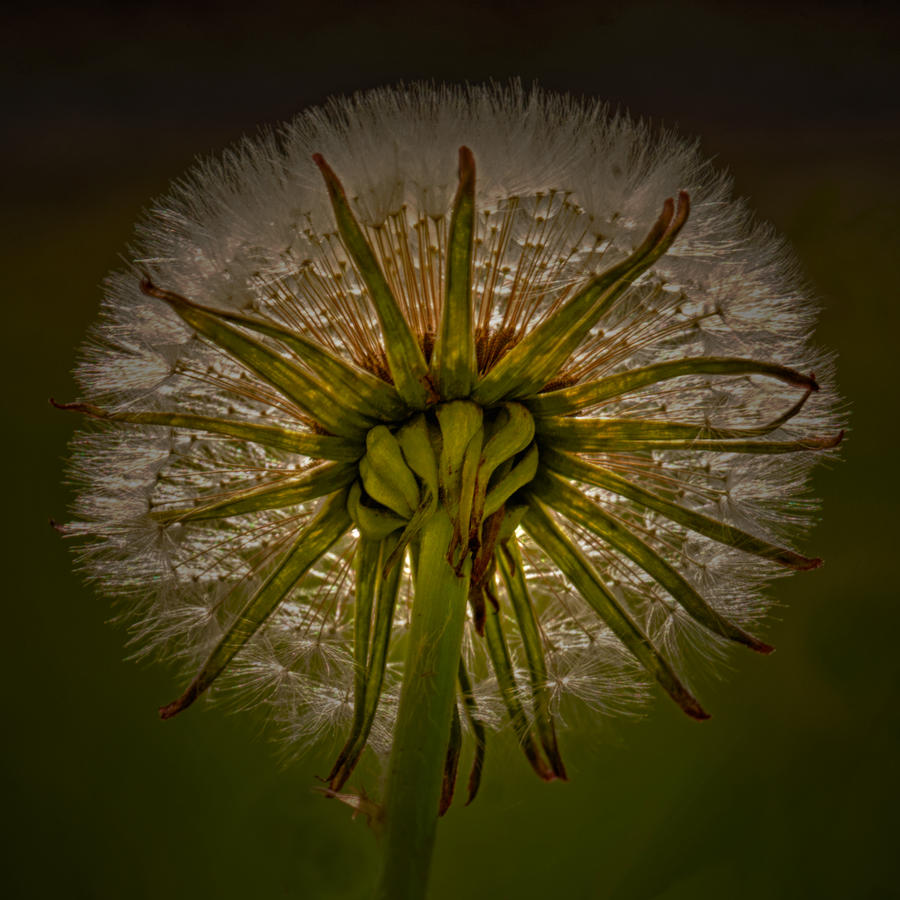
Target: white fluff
x: 565, y: 188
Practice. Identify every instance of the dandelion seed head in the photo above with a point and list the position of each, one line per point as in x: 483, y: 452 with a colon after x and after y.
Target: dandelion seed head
x: 566, y: 190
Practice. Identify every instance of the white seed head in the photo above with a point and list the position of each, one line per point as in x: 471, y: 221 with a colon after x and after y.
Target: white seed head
x: 565, y: 189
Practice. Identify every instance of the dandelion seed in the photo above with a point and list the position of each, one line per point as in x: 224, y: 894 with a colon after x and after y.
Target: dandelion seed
x: 489, y: 394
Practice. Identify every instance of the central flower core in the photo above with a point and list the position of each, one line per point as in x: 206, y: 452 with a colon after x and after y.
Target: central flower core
x: 469, y: 459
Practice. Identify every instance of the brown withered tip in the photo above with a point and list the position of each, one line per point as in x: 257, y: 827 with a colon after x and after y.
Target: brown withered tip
x: 182, y: 703
x: 87, y: 409
x: 681, y: 214
x: 466, y: 165
x: 761, y: 647
x: 693, y: 708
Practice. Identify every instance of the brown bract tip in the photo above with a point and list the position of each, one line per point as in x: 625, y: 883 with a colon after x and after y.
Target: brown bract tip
x: 690, y: 705
x: 182, y: 703
x: 681, y: 214
x: 332, y: 182
x: 87, y: 409
x: 761, y: 647
x: 466, y: 167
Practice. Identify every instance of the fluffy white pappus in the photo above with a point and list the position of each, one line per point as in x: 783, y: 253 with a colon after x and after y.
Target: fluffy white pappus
x: 565, y: 188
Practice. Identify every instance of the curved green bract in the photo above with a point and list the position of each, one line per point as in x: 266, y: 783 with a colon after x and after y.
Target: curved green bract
x: 405, y: 358
x: 586, y: 434
x: 724, y: 533
x: 572, y: 562
x: 359, y: 390
x: 540, y: 355
x: 557, y: 493
x: 570, y: 400
x: 290, y: 491
x: 319, y: 400
x: 310, y: 544
x: 518, y: 476
x: 370, y: 656
x: 501, y: 662
x: 619, y: 445
x: 304, y: 443
x: 509, y: 562
x: 453, y: 362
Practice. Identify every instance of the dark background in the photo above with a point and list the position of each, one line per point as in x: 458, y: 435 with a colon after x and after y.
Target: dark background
x: 789, y: 791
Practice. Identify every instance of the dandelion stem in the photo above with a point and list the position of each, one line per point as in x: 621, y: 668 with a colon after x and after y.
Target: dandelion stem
x: 422, y: 732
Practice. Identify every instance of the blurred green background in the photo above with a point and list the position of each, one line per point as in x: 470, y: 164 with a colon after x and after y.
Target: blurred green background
x: 791, y: 790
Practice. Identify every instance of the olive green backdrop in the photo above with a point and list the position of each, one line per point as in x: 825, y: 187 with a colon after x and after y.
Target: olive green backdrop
x: 790, y: 791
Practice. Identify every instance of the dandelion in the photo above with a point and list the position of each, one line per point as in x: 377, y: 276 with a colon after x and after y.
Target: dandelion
x: 437, y: 408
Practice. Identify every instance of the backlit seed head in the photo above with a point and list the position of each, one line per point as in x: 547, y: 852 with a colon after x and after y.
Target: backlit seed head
x: 547, y: 319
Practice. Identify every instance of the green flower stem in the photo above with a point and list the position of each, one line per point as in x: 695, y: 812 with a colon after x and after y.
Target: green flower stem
x: 422, y: 732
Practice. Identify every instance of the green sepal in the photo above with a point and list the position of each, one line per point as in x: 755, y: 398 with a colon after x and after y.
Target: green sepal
x: 573, y: 399
x: 386, y: 476
x: 404, y: 355
x: 373, y: 523
x: 462, y: 433
x: 312, y: 542
x: 418, y: 451
x: 509, y: 692
x: 311, y: 484
x: 518, y: 476
x: 386, y: 592
x: 561, y: 496
x: 575, y: 566
x: 317, y: 399
x: 318, y: 446
x: 415, y: 524
x: 453, y: 362
x: 540, y: 355
x: 724, y: 533
x: 468, y: 483
x: 512, y: 519
x: 509, y: 561
x: 510, y: 432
